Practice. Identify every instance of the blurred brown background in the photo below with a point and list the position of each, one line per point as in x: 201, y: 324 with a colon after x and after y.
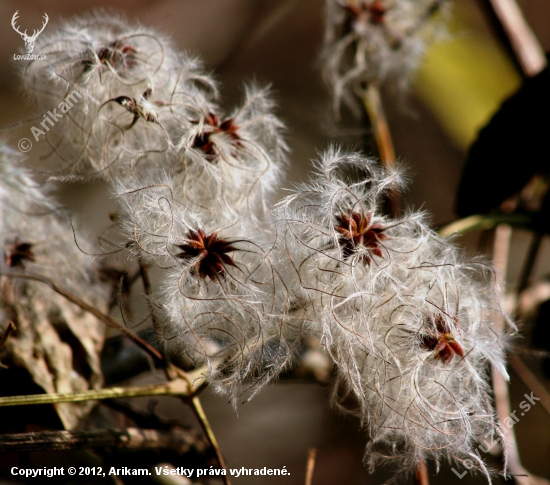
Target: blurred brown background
x: 277, y: 42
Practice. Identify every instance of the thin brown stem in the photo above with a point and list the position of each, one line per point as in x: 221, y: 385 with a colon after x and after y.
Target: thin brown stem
x: 312, y: 454
x: 198, y: 410
x: 375, y: 111
x: 421, y: 474
x: 144, y: 273
x: 377, y: 116
x: 528, y: 267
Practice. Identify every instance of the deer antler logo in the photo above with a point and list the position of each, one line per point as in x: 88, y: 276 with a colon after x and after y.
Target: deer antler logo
x: 29, y: 39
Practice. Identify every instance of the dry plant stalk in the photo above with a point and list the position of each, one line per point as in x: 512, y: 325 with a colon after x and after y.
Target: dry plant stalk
x: 176, y: 439
x: 525, y: 45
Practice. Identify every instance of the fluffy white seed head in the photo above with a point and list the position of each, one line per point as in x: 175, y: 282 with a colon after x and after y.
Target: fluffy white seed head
x: 36, y: 235
x: 410, y: 324
x: 223, y: 303
x: 235, y: 159
x: 100, y: 54
x: 118, y: 99
x: 113, y: 85
x: 374, y: 41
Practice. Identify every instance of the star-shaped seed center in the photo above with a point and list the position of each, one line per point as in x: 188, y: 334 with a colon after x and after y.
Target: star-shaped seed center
x: 357, y: 232
x: 443, y: 342
x: 212, y: 125
x: 17, y: 253
x: 209, y: 253
x: 116, y: 54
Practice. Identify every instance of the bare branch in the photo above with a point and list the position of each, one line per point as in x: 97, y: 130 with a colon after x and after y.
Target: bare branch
x: 176, y: 439
x: 527, y: 50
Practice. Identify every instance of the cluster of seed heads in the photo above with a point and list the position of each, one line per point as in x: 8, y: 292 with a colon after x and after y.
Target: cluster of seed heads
x: 409, y: 323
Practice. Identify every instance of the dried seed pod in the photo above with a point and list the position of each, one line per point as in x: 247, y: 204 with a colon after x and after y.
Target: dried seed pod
x: 209, y: 252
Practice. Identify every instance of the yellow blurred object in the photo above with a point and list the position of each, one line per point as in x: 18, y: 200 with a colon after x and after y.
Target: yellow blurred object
x: 464, y: 80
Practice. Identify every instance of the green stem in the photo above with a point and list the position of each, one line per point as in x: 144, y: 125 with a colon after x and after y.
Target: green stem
x: 484, y: 222
x: 175, y: 388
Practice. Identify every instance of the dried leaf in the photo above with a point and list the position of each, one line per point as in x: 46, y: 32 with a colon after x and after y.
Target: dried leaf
x: 59, y: 346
